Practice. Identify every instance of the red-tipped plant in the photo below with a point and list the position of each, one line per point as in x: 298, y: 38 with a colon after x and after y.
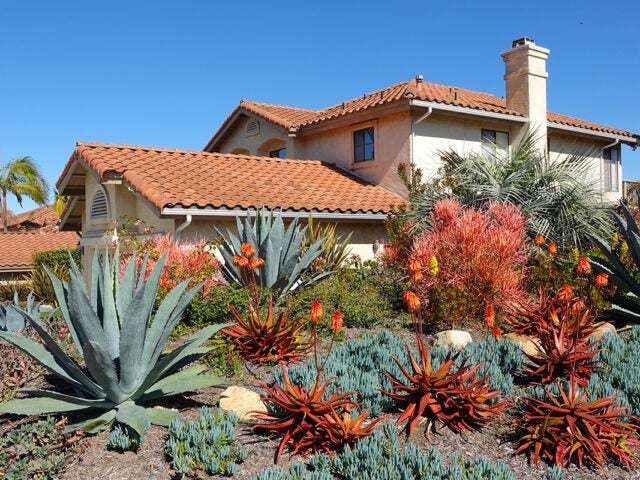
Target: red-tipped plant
x: 569, y: 428
x: 307, y: 421
x: 450, y: 394
x: 259, y: 336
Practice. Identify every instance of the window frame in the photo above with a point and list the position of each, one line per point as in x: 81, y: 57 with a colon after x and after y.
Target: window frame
x: 611, y: 169
x: 278, y: 153
x: 491, y: 148
x: 362, y: 129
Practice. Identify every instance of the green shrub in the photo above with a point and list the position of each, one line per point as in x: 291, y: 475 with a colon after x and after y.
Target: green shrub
x: 28, y: 451
x: 367, y: 295
x: 212, y: 308
x: 207, y: 444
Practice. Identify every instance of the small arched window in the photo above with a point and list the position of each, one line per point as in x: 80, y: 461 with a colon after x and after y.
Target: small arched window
x: 99, y: 206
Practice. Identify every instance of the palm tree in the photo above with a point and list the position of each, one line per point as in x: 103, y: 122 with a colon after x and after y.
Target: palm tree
x: 60, y: 201
x: 21, y: 177
x: 560, y: 198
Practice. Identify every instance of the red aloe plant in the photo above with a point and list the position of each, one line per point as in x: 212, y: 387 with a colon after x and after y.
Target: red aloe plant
x: 451, y: 394
x: 562, y: 324
x: 264, y: 337
x: 570, y: 428
x: 307, y: 421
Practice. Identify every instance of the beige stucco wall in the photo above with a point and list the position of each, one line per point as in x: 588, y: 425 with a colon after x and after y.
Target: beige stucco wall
x: 443, y: 133
x: 270, y: 137
x: 391, y: 148
x: 562, y: 145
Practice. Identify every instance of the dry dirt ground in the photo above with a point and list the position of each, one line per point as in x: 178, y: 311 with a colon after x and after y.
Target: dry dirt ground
x: 90, y: 459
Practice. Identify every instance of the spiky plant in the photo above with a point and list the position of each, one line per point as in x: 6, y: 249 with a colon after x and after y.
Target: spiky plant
x: 625, y: 304
x: 120, y: 340
x: 568, y: 427
x: 553, y: 194
x: 11, y: 319
x: 287, y: 266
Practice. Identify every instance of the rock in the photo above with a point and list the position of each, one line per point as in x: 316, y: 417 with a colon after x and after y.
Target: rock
x: 602, y: 330
x: 241, y: 401
x: 452, y: 338
x: 528, y: 344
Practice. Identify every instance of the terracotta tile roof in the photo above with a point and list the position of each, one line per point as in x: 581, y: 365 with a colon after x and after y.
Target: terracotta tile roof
x: 170, y: 178
x: 44, y: 216
x: 17, y: 248
x: 289, y: 117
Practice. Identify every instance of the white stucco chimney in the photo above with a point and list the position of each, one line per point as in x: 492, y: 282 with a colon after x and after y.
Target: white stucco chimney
x: 526, y: 82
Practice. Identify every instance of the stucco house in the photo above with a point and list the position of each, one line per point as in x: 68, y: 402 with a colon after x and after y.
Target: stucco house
x: 340, y: 163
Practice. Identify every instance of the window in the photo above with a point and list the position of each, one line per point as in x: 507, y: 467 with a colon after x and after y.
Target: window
x: 610, y: 160
x: 279, y: 153
x: 495, y: 144
x: 363, y: 145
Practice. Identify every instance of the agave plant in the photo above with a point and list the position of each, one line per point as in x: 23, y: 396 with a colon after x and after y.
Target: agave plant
x: 120, y: 340
x: 287, y: 266
x: 625, y: 304
x: 11, y: 320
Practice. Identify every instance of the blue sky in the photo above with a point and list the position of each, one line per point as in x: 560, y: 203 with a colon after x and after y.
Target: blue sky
x: 166, y: 74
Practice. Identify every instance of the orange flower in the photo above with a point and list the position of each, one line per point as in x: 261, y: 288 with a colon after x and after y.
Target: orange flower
x: 412, y: 301
x: 240, y: 261
x: 316, y: 311
x: 601, y: 280
x: 565, y: 293
x: 577, y: 307
x: 247, y: 250
x: 552, y: 249
x: 489, y: 316
x: 539, y: 240
x: 336, y: 321
x: 415, y: 271
x: 255, y: 263
x: 497, y: 332
x: 583, y: 266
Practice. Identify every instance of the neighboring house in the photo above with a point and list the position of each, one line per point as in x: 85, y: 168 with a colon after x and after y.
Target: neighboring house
x: 28, y: 233
x: 347, y: 157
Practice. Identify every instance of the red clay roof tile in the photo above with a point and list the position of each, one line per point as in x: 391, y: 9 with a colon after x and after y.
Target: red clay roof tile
x: 289, y: 117
x: 170, y: 178
x: 17, y: 248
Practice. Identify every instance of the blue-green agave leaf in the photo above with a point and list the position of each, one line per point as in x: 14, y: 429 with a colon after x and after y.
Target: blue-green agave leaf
x: 93, y: 424
x: 39, y: 406
x: 133, y: 415
x: 103, y: 370
x: 162, y: 416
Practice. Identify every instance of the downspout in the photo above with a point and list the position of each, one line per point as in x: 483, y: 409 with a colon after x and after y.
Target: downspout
x: 413, y: 134
x: 186, y: 223
x: 613, y: 144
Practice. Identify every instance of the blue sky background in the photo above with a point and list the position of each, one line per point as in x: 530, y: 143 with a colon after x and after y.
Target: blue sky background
x: 166, y: 74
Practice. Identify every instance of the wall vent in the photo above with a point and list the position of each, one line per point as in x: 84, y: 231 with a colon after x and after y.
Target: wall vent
x: 99, y: 206
x: 253, y: 128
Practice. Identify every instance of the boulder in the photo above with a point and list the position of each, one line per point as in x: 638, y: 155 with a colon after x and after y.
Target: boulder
x: 241, y: 401
x: 602, y: 330
x: 527, y: 343
x: 452, y: 338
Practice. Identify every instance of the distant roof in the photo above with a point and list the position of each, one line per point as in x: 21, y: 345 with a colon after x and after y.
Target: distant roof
x: 180, y: 178
x: 40, y: 217
x: 17, y: 248
x: 414, y: 89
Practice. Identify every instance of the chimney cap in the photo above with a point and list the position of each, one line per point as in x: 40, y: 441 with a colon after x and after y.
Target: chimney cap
x: 419, y: 78
x: 522, y: 42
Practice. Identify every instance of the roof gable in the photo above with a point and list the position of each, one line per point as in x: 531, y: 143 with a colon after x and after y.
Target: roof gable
x: 201, y: 180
